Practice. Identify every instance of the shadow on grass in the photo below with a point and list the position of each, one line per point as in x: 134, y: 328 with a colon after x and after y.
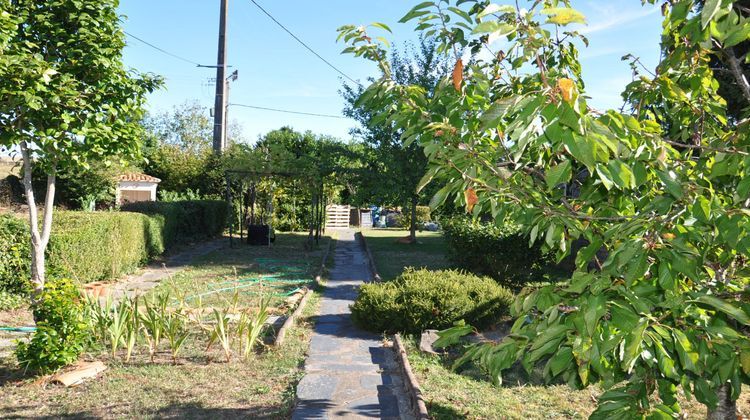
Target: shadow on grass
x: 174, y: 410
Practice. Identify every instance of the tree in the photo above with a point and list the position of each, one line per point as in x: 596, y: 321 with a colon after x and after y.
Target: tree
x: 658, y: 300
x: 178, y: 150
x: 65, y: 97
x: 392, y: 168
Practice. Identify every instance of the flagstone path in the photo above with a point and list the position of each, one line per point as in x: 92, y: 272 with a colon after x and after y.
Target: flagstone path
x: 348, y: 372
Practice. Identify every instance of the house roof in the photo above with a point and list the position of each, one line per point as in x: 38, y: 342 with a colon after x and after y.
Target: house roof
x: 136, y: 177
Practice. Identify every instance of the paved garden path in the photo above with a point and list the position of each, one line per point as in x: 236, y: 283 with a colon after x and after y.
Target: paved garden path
x: 348, y: 372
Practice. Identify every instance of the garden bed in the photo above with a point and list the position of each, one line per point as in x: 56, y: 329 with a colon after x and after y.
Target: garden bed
x: 201, y: 383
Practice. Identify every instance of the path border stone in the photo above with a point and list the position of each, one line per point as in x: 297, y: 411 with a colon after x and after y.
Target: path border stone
x: 373, y: 268
x: 411, y: 384
x: 290, y: 320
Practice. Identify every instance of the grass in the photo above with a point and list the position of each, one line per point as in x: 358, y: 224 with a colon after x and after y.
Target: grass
x: 250, y: 271
x: 202, y: 384
x: 392, y: 257
x: 450, y: 395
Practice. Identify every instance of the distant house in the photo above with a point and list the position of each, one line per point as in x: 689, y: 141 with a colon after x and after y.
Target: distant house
x: 135, y: 187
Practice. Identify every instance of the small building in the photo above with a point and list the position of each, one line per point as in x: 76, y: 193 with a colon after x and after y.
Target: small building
x: 135, y: 187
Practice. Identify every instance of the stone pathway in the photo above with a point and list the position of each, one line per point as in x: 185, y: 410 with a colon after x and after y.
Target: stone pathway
x: 348, y: 372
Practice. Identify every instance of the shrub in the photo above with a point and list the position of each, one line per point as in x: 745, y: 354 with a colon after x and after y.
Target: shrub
x: 185, y: 219
x: 423, y: 216
x: 62, y: 333
x: 14, y: 254
x: 91, y: 246
x: 423, y: 299
x: 500, y: 252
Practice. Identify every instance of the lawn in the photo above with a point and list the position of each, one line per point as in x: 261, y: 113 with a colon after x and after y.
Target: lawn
x: 392, y: 257
x: 202, y: 384
x: 450, y: 395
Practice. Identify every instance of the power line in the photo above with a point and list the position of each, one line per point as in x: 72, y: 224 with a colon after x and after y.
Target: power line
x: 287, y: 111
x: 303, y: 43
x: 162, y: 50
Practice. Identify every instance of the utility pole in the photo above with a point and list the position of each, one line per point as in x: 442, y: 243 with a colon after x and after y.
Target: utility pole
x: 232, y: 78
x: 220, y: 131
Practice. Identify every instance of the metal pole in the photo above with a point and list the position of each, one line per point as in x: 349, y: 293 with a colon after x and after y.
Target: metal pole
x: 221, y: 84
x: 231, y: 210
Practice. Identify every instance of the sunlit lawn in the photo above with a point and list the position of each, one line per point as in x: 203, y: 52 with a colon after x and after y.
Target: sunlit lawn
x: 391, y: 257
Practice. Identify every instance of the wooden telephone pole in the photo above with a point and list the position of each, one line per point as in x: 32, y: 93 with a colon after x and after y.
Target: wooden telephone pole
x: 220, y: 130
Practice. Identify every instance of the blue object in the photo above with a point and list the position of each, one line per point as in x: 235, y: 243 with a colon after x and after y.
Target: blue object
x: 375, y: 212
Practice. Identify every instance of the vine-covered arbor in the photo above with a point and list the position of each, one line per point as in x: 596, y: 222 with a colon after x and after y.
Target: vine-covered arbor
x: 284, y: 180
x: 253, y: 207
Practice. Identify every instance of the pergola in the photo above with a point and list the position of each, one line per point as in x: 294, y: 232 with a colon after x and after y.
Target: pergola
x: 252, y: 178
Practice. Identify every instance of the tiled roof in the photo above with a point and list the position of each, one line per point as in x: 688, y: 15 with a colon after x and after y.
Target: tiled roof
x: 136, y: 177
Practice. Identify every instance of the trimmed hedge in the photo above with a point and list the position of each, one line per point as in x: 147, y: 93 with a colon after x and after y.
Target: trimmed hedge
x: 500, y: 252
x: 14, y: 254
x: 93, y: 246
x: 421, y: 299
x: 184, y: 219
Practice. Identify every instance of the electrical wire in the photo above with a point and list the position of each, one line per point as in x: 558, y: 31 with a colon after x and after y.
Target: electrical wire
x: 288, y: 112
x: 303, y: 43
x: 162, y: 50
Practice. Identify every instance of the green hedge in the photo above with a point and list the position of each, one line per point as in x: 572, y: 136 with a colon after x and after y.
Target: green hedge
x: 185, y: 219
x: 500, y: 252
x: 105, y: 245
x: 14, y: 253
x: 421, y: 299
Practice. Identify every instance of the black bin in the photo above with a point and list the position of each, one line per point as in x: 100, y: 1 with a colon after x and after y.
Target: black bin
x: 258, y: 234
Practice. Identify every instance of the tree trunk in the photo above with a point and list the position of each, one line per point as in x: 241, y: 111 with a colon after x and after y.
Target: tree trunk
x: 727, y: 407
x: 413, y: 227
x: 39, y: 240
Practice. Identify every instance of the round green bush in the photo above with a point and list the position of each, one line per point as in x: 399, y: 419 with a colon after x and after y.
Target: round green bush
x: 421, y: 299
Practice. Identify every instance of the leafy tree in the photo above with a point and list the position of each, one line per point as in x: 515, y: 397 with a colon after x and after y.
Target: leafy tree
x: 658, y: 301
x: 65, y: 97
x: 178, y: 149
x: 393, y: 168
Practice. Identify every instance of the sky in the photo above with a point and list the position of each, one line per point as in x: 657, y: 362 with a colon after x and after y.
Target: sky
x: 277, y: 72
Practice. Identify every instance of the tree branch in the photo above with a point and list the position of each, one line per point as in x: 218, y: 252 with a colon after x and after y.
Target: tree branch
x: 739, y: 75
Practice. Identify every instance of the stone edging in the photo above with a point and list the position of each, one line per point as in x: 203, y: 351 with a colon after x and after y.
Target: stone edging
x: 281, y: 334
x: 373, y: 268
x: 410, y: 381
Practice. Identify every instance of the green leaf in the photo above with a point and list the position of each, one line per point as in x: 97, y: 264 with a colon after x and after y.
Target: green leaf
x: 451, y: 336
x: 633, y: 344
x: 439, y: 198
x: 702, y: 209
x: 670, y: 183
x: 622, y: 175
x: 710, y: 8
x: 428, y: 177
x: 381, y: 26
x: 561, y: 361
x: 688, y: 356
x: 563, y: 15
x: 559, y: 174
x: 724, y: 306
x: 496, y: 8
